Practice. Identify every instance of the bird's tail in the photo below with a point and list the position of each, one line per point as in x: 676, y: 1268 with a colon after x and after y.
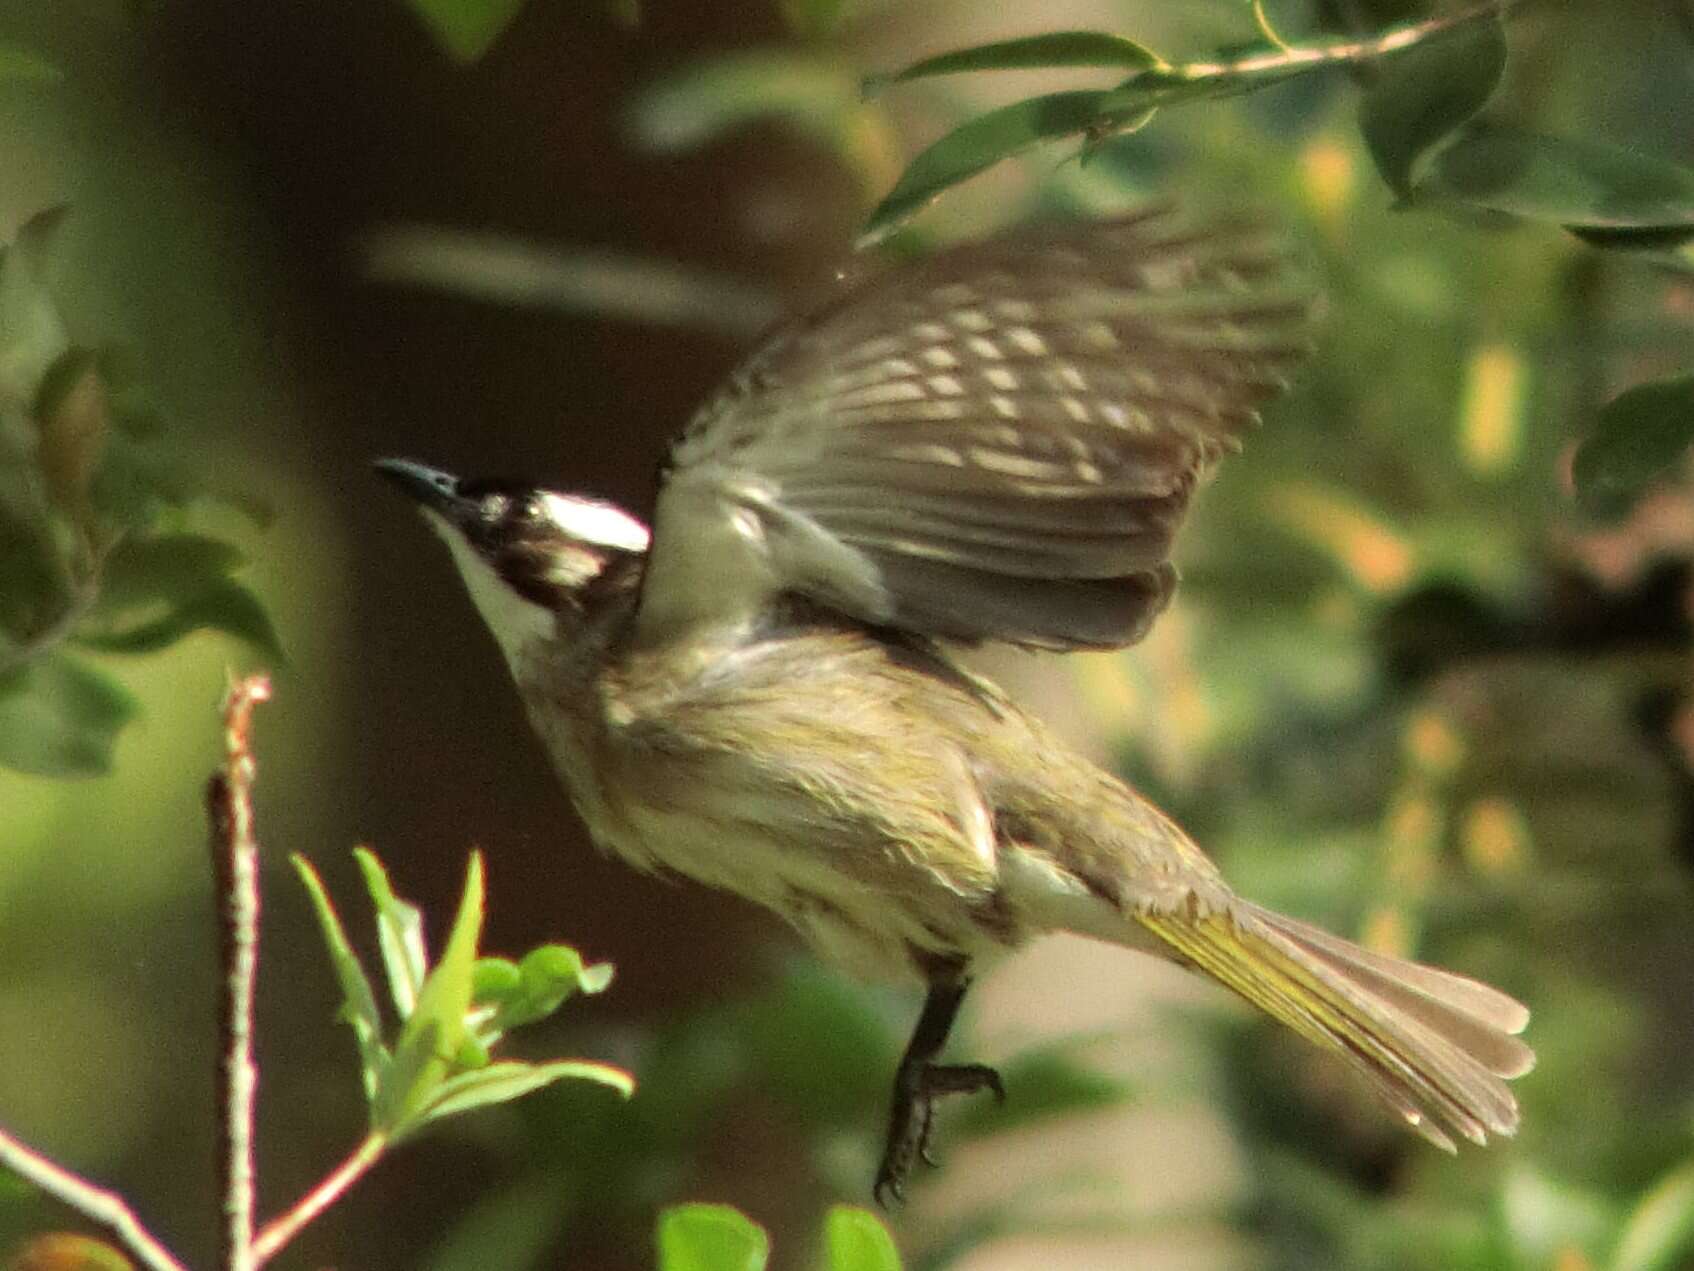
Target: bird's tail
x: 1437, y: 1046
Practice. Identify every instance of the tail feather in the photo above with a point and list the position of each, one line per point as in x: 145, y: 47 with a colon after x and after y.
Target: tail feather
x: 1434, y: 1045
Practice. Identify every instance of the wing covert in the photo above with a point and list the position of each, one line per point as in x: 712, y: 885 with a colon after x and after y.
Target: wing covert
x: 996, y: 443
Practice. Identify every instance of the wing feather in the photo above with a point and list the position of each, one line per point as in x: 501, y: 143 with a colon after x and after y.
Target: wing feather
x: 997, y: 443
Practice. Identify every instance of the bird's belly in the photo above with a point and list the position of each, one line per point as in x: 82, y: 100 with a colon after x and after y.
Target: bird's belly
x: 818, y: 883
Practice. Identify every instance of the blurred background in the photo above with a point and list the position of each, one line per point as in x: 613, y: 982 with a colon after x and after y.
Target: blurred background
x: 1409, y: 689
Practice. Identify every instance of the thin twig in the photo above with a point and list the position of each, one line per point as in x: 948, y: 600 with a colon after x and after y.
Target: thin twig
x: 280, y: 1230
x: 235, y: 857
x: 98, y: 1205
x: 1291, y: 59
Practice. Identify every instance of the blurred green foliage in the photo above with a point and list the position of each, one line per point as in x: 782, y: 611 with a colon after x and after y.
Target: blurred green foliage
x: 1427, y: 681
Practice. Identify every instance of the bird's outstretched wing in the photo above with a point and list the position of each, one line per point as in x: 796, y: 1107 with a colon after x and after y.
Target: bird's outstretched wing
x: 996, y: 443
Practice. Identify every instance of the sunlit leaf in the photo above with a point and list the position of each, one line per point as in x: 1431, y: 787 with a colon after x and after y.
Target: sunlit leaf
x: 1658, y: 1234
x: 856, y: 1240
x: 1491, y: 412
x: 1426, y: 92
x: 1050, y: 49
x: 1583, y: 185
x: 433, y: 1037
x: 466, y: 29
x: 503, y: 1082
x: 60, y: 717
x: 399, y: 932
x: 710, y: 1238
x: 1640, y: 434
x: 358, y: 1003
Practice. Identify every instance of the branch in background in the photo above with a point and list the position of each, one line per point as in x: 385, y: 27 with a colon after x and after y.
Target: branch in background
x: 510, y: 271
x: 235, y: 860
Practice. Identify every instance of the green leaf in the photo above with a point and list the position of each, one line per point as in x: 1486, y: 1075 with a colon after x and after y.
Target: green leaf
x: 358, y: 1003
x: 434, y: 1035
x: 20, y: 65
x: 32, y: 335
x: 978, y: 145
x: 503, y: 1082
x: 1428, y: 91
x: 1586, y: 186
x: 1040, y: 1084
x: 149, y: 569
x: 509, y: 1226
x: 60, y: 718
x: 687, y: 109
x: 710, y: 1238
x: 1054, y: 48
x: 222, y: 605
x: 466, y: 29
x: 399, y: 934
x: 856, y: 1240
x: 1658, y: 1235
x: 1641, y: 433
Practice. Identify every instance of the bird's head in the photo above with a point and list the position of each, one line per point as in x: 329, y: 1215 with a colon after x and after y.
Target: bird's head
x: 526, y: 554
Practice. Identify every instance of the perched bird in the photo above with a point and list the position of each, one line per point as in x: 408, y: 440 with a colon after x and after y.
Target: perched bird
x: 997, y: 443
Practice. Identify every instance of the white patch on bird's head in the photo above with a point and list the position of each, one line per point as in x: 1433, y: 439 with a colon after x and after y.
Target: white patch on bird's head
x: 595, y: 522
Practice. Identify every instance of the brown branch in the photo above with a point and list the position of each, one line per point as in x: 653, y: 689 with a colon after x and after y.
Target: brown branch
x: 235, y: 861
x: 107, y: 1209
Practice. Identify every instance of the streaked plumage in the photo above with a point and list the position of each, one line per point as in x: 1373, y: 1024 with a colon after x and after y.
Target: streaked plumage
x: 999, y: 444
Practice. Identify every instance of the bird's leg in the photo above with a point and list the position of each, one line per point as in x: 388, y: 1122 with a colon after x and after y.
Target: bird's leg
x: 919, y: 1082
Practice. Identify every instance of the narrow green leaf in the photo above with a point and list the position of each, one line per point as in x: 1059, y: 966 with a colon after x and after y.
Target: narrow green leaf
x: 687, y: 109
x: 358, y: 1003
x: 466, y: 29
x: 978, y: 145
x: 856, y: 1240
x: 1040, y: 1084
x: 438, y: 1027
x: 503, y: 1082
x: 710, y: 1238
x: 21, y: 65
x: 1658, y: 1235
x: 1050, y: 49
x: 60, y: 717
x: 1583, y: 185
x: 1640, y: 434
x: 1428, y: 91
x: 399, y: 933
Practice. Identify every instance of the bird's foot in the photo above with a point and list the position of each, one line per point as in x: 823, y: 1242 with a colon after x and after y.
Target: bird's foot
x: 911, y: 1121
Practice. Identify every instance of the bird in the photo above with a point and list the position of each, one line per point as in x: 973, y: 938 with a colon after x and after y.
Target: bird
x: 764, y: 690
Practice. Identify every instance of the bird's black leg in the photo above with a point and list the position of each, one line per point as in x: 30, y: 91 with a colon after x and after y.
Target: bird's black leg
x: 919, y: 1082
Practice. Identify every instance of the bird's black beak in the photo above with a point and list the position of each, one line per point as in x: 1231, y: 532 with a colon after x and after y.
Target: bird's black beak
x: 436, y: 490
